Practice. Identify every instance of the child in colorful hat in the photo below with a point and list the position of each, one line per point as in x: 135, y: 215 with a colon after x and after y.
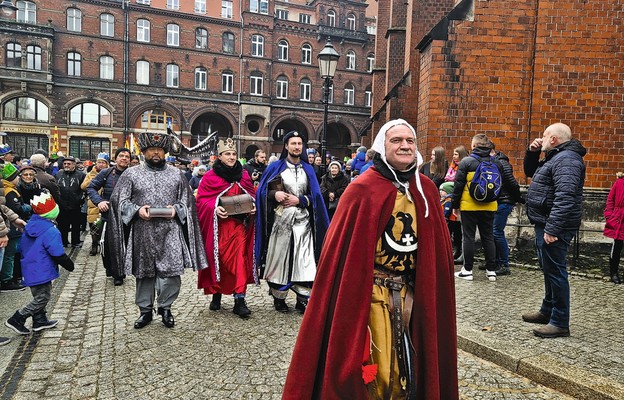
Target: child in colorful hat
x: 42, y: 252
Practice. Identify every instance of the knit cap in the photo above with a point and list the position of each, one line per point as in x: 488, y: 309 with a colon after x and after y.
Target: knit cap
x: 9, y: 172
x: 44, y: 205
x: 447, y: 187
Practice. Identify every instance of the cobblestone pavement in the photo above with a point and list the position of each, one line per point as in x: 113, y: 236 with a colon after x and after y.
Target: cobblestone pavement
x: 95, y: 352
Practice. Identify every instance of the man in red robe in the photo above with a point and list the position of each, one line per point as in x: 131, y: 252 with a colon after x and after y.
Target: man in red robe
x: 381, y: 320
x: 229, y: 239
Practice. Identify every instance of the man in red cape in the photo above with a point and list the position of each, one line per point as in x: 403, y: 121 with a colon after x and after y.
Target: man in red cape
x: 333, y: 357
x: 229, y: 239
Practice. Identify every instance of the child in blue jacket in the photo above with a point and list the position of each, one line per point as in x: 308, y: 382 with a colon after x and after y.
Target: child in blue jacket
x: 42, y: 252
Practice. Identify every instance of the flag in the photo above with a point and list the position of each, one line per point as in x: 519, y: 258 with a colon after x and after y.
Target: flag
x: 55, y: 141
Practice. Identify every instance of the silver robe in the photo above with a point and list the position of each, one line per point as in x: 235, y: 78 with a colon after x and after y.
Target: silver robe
x: 158, y: 247
x: 291, y: 222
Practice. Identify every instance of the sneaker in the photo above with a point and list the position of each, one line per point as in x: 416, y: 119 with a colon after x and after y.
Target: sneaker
x: 503, y: 270
x: 41, y: 322
x: 491, y: 275
x: 16, y: 322
x: 4, y: 340
x: 463, y: 274
x: 11, y: 287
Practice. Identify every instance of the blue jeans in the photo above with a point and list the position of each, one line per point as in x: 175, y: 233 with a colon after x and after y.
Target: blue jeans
x: 8, y: 259
x: 552, y: 259
x: 500, y: 221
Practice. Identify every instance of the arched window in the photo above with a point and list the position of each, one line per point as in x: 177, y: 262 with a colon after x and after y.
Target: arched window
x: 331, y: 18
x: 351, y: 22
x: 14, y: 55
x: 370, y: 62
x: 305, y: 89
x: 228, y: 42
x: 74, y: 64
x: 107, y: 68
x: 349, y: 94
x: 33, y: 57
x: 74, y: 20
x: 173, y: 76
x: 306, y: 54
x: 350, y: 59
x: 143, y: 30
x: 256, y: 82
x: 26, y: 12
x: 282, y: 50
x: 173, y: 35
x: 281, y: 88
x: 201, y: 78
x: 107, y: 25
x: 201, y: 38
x: 257, y: 46
x: 89, y: 114
x: 26, y: 109
x: 142, y: 72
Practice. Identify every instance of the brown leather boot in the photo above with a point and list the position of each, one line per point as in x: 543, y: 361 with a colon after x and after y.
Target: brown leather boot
x: 535, y: 318
x: 550, y: 331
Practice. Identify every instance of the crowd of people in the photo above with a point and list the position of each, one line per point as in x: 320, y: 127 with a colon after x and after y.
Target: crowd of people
x: 370, y: 329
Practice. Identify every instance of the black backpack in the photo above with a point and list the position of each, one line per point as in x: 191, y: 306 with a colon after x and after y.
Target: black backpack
x: 487, y: 181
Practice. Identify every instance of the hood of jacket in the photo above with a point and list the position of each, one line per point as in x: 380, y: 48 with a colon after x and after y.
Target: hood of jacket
x: 37, y: 225
x: 572, y: 145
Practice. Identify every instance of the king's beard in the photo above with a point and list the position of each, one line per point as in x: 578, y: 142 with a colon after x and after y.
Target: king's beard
x: 156, y: 164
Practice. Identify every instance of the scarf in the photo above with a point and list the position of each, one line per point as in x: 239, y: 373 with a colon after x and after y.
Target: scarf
x: 230, y: 174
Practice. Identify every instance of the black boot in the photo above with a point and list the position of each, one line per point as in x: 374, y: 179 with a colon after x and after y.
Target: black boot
x: 240, y: 307
x: 41, y: 322
x: 280, y: 305
x: 215, y: 304
x: 301, y: 305
x: 144, y: 319
x: 167, y: 317
x: 614, y: 271
x: 94, y: 249
x: 16, y: 322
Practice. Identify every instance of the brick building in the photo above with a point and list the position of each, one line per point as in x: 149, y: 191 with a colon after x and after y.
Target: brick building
x: 507, y: 69
x: 91, y: 72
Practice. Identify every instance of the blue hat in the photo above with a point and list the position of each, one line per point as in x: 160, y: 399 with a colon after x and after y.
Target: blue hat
x: 103, y: 156
x: 5, y: 149
x: 170, y: 159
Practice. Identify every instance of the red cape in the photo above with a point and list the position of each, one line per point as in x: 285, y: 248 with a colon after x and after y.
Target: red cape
x: 327, y: 359
x: 210, y: 189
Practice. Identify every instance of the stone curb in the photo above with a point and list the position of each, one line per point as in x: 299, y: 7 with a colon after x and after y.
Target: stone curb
x: 543, y: 369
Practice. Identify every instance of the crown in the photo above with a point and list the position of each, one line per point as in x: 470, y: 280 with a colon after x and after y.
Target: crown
x: 42, y: 203
x: 227, y: 145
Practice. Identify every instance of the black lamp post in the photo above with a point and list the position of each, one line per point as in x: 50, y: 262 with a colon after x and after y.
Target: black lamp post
x: 328, y: 61
x: 7, y: 7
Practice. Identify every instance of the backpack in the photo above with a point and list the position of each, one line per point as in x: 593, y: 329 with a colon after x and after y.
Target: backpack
x: 487, y: 181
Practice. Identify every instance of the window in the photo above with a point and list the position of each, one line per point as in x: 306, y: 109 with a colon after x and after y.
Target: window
x: 257, y: 46
x: 107, y: 68
x: 201, y: 76
x: 281, y: 89
x: 282, y: 50
x: 173, y: 4
x: 33, y: 57
x: 259, y: 6
x: 201, y: 38
x: 305, y: 88
x: 368, y: 96
x: 255, y: 81
x: 88, y: 148
x: 351, y: 22
x: 14, y: 55
x: 306, y: 54
x: 173, y: 35
x: 73, y: 64
x: 155, y: 119
x: 143, y: 30
x: 349, y: 94
x: 331, y: 18
x: 89, y: 114
x: 26, y: 109
x: 330, y: 99
x: 370, y: 62
x: 74, y: 20
x: 26, y: 12
x: 350, y: 59
x: 200, y: 6
x: 226, y: 8
x: 27, y: 143
x: 107, y: 25
x: 281, y: 14
x: 228, y: 42
x: 142, y: 73
x: 304, y: 18
x: 173, y: 75
x: 144, y: 2
x: 227, y: 82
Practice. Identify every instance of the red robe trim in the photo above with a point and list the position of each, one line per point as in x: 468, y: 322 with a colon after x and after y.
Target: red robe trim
x: 210, y: 190
x: 327, y: 359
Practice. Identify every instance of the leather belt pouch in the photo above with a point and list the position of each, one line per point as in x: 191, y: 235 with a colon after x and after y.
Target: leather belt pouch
x: 239, y: 204
x: 159, y: 212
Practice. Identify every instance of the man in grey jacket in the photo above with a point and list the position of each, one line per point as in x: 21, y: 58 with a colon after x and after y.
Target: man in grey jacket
x: 554, y: 205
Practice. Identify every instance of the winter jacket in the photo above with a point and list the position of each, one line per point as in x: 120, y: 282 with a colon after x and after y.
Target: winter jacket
x: 252, y: 166
x: 47, y: 181
x: 510, y: 191
x: 465, y: 172
x: 555, y: 195
x: 28, y: 191
x: 335, y: 185
x: 41, y: 242
x: 15, y: 203
x: 8, y: 216
x: 358, y: 161
x: 614, y: 211
x: 451, y: 172
x: 366, y: 166
x: 69, y: 185
x: 93, y: 212
x: 106, y: 180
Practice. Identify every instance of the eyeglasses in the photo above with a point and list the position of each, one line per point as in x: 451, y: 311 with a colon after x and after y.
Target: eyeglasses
x: 27, y: 174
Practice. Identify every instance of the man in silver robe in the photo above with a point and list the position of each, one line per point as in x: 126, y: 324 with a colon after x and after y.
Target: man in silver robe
x: 156, y: 232
x: 290, y: 226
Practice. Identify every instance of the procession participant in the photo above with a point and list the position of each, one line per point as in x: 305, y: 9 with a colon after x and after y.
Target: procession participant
x: 154, y: 234
x: 381, y: 321
x: 229, y: 239
x: 290, y: 225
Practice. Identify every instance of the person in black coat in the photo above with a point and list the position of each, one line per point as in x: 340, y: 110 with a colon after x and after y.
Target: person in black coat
x: 436, y: 168
x: 333, y: 185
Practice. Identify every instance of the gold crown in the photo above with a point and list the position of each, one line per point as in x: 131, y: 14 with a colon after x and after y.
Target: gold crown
x: 227, y: 145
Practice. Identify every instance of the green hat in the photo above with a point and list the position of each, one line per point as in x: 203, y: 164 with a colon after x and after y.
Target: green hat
x: 9, y: 172
x: 447, y: 187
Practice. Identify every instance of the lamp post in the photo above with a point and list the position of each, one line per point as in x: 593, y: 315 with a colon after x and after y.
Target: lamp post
x: 7, y: 8
x: 328, y: 61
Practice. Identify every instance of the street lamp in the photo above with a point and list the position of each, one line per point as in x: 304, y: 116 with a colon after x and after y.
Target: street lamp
x: 328, y: 61
x: 7, y: 8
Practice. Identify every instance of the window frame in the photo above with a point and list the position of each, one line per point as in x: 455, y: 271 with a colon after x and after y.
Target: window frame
x: 225, y: 40
x: 368, y: 97
x: 259, y: 6
x: 145, y: 31
x: 92, y: 145
x: 227, y: 9
x: 173, y: 5
x: 15, y: 49
x: 173, y: 35
x: 105, y: 67
x: 201, y: 38
x: 172, y: 76
x: 27, y: 11
x: 39, y: 107
x: 351, y: 22
x: 105, y: 26
x: 350, y: 57
x: 281, y: 14
x: 281, y: 87
x: 256, y: 84
x: 142, y: 75
x: 74, y: 63
x: 74, y: 18
x: 199, y: 7
x: 82, y: 122
x: 282, y: 50
x: 349, y: 94
x: 257, y: 45
x: 331, y: 18
x: 370, y: 62
x: 34, y: 58
x: 306, y: 53
x: 305, y: 18
x: 201, y: 78
x: 305, y: 90
x: 227, y: 82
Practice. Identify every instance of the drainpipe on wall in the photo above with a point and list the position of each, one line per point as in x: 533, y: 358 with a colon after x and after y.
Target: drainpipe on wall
x: 532, y: 81
x: 240, y: 78
x: 126, y: 69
